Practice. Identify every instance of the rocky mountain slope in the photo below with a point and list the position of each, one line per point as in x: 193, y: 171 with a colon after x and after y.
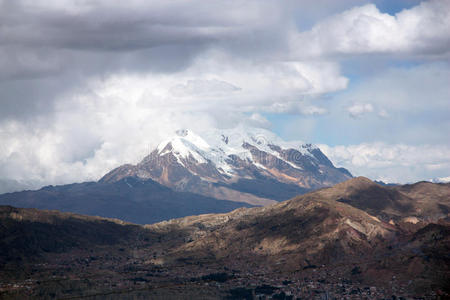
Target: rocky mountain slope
x: 242, y: 164
x: 130, y: 199
x: 410, y: 203
x: 331, y: 220
x: 312, y: 246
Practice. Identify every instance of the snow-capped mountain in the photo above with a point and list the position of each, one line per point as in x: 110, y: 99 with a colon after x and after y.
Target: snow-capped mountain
x: 241, y: 164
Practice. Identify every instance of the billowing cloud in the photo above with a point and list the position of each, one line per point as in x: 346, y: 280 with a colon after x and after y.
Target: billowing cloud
x: 50, y: 48
x: 397, y: 163
x: 421, y: 30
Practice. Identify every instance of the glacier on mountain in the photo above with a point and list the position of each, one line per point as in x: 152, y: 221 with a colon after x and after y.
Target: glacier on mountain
x: 216, y: 146
x: 244, y: 164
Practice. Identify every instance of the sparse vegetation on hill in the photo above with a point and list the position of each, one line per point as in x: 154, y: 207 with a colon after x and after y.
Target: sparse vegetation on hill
x: 312, y: 245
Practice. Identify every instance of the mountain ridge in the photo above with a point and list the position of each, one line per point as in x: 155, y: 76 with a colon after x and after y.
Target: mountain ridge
x: 226, y: 164
x: 130, y: 199
x: 313, y: 244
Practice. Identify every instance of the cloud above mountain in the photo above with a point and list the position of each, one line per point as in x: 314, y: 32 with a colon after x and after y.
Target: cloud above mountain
x: 419, y: 31
x: 88, y: 85
x: 392, y: 162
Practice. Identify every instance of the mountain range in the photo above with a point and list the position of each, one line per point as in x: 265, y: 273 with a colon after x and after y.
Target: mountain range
x: 242, y: 164
x: 356, y: 239
x: 190, y: 174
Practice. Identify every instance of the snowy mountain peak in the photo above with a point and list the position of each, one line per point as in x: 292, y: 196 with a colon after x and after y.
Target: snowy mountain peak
x: 230, y: 141
x: 218, y: 146
x: 230, y: 163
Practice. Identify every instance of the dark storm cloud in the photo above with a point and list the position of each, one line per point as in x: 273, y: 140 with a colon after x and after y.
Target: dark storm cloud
x: 28, y: 32
x: 100, y: 30
x: 48, y: 49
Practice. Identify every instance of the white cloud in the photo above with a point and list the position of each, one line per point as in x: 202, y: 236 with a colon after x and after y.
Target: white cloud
x: 204, y: 88
x: 120, y: 118
x: 392, y: 163
x: 421, y: 30
x: 441, y: 179
x: 358, y: 109
x: 257, y: 120
x: 220, y: 80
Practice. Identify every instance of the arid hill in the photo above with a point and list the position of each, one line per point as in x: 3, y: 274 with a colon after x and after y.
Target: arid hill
x: 333, y: 242
x: 319, y: 227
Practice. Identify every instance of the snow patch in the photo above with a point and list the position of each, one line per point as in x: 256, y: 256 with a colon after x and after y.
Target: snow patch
x: 216, y: 146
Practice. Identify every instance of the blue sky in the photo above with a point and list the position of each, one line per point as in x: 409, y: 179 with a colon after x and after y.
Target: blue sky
x: 393, y: 7
x: 86, y: 86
